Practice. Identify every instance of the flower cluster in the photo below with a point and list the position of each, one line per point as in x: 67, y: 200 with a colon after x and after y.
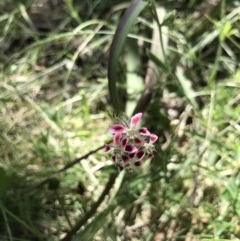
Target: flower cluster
x: 131, y: 145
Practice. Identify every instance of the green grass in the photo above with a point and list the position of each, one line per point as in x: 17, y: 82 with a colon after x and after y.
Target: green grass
x: 55, y: 108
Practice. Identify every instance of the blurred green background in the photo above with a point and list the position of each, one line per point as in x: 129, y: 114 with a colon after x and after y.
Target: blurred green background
x: 55, y: 108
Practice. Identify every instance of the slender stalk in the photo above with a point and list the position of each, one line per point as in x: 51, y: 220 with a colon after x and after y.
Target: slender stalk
x: 93, y: 209
x: 155, y: 15
x: 69, y: 165
x: 219, y: 48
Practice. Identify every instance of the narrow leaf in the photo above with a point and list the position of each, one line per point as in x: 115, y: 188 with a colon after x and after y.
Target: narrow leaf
x: 120, y: 36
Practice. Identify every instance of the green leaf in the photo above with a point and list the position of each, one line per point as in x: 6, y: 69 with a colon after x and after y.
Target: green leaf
x: 231, y: 192
x: 133, y: 79
x: 120, y: 36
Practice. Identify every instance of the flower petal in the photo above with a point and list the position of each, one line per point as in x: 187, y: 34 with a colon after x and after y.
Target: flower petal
x: 135, y: 119
x: 138, y: 141
x: 130, y: 148
x: 113, y: 158
x: 139, y: 155
x: 117, y: 129
x: 153, y: 138
x: 138, y: 163
x: 124, y: 142
x: 117, y: 138
x: 144, y: 131
x: 125, y: 158
x: 107, y: 149
x: 150, y: 156
x: 131, y: 155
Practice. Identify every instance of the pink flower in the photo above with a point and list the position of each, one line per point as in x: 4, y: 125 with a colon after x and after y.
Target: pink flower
x: 116, y: 144
x: 135, y: 119
x: 153, y: 138
x: 131, y: 129
x: 120, y: 149
x: 147, y: 149
x: 117, y: 129
x: 144, y: 131
x: 131, y: 145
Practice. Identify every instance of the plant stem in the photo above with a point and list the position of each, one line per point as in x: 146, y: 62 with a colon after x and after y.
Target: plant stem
x: 93, y: 210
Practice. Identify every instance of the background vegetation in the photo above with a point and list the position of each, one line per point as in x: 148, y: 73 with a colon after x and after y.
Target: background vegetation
x: 55, y: 109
